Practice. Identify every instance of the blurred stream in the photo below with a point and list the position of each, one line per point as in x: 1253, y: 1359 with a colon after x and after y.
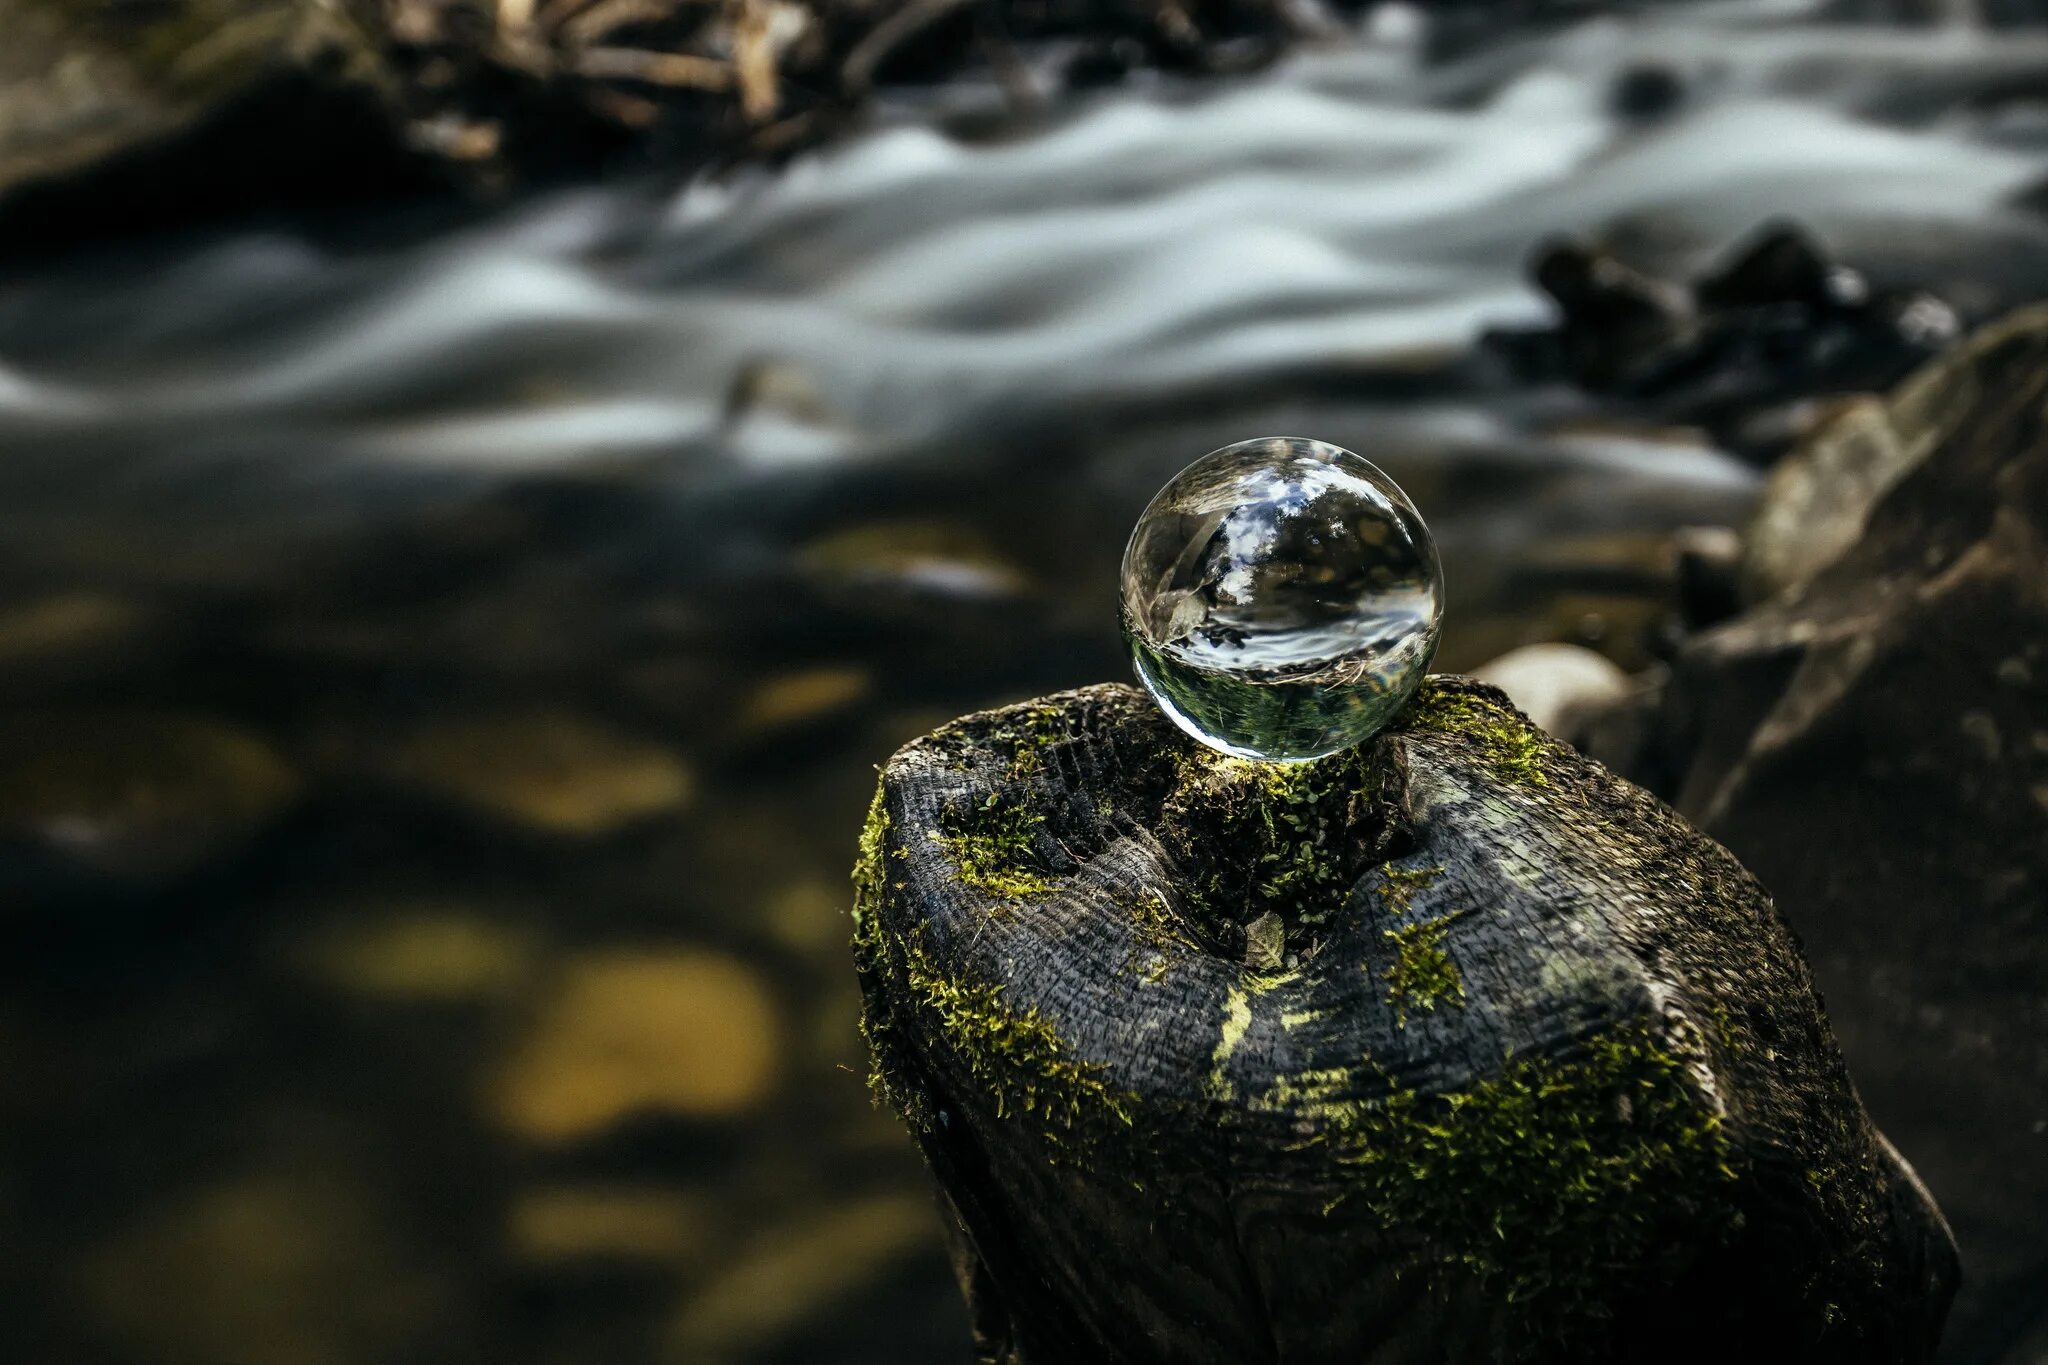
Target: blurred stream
x: 440, y: 683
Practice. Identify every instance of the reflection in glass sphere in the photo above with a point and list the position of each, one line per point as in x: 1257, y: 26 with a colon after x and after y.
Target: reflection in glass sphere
x: 1281, y: 598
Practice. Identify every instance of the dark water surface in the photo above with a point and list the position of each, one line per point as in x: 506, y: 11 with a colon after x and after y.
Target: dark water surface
x: 439, y: 686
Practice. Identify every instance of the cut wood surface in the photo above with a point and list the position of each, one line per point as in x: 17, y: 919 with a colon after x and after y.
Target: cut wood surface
x: 1454, y: 1047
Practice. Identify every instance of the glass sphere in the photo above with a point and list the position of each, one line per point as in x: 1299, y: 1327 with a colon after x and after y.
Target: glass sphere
x: 1281, y: 599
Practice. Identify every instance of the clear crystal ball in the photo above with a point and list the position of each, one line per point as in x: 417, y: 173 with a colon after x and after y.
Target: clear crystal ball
x: 1281, y: 598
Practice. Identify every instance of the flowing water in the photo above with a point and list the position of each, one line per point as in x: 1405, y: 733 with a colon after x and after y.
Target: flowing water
x: 439, y: 679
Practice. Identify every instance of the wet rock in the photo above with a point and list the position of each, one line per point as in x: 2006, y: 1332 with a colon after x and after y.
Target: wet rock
x: 553, y: 771
x: 1613, y: 316
x: 1744, y: 349
x: 1551, y: 683
x: 1647, y: 91
x: 1814, y: 505
x: 686, y: 1034
x: 1781, y: 265
x: 118, y: 115
x: 135, y: 794
x: 1872, y: 740
x: 1818, y: 494
x: 1706, y: 569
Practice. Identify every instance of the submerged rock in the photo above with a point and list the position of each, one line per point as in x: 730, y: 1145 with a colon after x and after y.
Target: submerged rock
x: 689, y: 1034
x: 798, y: 1275
x: 1452, y: 1046
x: 139, y: 795
x: 552, y: 771
x: 424, y: 952
x: 301, y: 1262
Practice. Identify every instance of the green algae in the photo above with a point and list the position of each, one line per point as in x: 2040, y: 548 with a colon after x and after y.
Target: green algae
x: 1510, y: 747
x: 990, y: 847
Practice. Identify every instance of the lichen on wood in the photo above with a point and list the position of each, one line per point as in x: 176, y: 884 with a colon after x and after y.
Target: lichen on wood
x: 1450, y: 1047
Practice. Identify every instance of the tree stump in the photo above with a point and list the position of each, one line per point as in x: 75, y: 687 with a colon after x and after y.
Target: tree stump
x: 1451, y: 1048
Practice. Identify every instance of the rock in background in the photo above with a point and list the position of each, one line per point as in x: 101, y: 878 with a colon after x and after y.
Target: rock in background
x: 118, y: 117
x: 1871, y: 738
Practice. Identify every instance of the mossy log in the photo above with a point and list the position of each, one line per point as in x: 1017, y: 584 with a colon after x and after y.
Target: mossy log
x: 1453, y: 1047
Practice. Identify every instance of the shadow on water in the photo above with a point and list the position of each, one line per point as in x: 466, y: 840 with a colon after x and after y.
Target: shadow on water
x: 441, y: 684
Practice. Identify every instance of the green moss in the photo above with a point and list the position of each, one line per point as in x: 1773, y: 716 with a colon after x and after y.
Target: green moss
x: 1027, y: 734
x: 1507, y: 743
x: 1154, y: 921
x: 1158, y: 938
x: 1016, y: 1054
x: 870, y: 961
x: 990, y: 847
x: 1422, y: 975
x: 1298, y: 836
x: 1398, y: 885
x: 868, y: 869
x: 1548, y: 1184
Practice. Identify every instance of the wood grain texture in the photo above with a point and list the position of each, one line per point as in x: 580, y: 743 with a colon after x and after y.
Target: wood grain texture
x: 1451, y: 1048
